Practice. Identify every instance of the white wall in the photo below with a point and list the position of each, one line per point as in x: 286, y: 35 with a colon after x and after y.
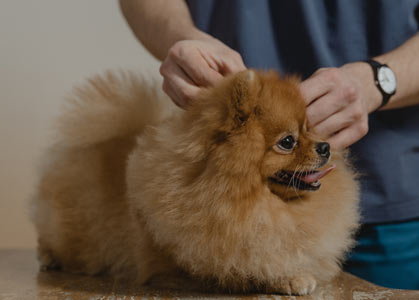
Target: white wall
x: 46, y: 47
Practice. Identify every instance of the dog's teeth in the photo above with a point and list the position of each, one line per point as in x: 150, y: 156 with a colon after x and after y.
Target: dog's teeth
x: 316, y: 183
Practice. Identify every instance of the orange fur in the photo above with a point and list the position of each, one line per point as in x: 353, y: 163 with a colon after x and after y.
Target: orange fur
x: 138, y: 188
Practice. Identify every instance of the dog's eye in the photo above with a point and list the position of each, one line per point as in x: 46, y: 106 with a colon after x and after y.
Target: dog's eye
x: 287, y: 143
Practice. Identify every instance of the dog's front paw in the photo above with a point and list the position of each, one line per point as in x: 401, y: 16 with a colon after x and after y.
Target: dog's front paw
x: 297, y: 285
x: 47, y: 260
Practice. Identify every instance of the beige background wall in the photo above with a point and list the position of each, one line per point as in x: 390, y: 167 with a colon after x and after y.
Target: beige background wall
x: 46, y: 47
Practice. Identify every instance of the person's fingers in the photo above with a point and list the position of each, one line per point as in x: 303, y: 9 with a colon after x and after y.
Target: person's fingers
x: 320, y: 110
x: 313, y: 88
x: 179, y: 83
x: 229, y: 61
x: 333, y: 124
x: 233, y: 64
x: 197, y: 68
x: 352, y: 114
x: 348, y: 136
x: 173, y: 95
x: 327, y: 105
x: 192, y: 65
x: 318, y: 71
x: 320, y: 83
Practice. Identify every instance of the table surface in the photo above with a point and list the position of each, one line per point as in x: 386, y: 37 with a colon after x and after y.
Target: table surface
x: 20, y: 279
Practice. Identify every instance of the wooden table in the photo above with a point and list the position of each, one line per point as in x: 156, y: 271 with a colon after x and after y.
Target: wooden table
x: 20, y: 279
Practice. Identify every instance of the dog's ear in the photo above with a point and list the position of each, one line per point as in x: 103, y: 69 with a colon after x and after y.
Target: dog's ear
x: 243, y: 93
x: 234, y: 101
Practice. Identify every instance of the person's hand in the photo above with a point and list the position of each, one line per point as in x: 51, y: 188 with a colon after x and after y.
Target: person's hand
x: 339, y: 101
x: 194, y: 64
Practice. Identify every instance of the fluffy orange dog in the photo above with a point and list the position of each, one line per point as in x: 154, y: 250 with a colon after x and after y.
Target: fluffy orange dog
x: 227, y: 192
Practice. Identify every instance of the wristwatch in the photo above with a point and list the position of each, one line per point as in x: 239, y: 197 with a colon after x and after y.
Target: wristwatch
x: 384, y: 79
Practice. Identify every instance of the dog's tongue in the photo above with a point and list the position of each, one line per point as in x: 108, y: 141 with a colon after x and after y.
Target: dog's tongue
x: 313, y: 177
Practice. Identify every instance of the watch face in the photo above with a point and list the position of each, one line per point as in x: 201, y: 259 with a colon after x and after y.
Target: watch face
x: 387, y: 80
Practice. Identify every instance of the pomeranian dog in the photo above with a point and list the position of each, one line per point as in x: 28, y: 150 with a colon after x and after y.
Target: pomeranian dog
x: 233, y: 192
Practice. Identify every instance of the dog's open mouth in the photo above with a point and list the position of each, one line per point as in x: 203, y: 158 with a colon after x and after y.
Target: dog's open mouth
x: 307, y: 180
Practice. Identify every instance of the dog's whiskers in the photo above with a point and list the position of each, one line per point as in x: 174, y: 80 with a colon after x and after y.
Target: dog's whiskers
x: 293, y: 177
x: 290, y: 182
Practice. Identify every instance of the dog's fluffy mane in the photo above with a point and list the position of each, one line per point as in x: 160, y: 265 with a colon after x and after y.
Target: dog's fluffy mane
x: 138, y: 187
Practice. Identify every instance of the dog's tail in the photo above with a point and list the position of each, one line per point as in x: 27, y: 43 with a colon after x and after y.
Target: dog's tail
x: 110, y: 106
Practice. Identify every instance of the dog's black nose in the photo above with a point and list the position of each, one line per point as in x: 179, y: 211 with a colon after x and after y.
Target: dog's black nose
x: 323, y: 149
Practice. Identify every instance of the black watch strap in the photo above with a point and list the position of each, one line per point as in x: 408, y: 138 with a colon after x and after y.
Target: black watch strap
x: 375, y: 66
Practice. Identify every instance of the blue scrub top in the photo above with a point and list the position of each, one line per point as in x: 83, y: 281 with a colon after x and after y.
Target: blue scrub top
x: 300, y: 36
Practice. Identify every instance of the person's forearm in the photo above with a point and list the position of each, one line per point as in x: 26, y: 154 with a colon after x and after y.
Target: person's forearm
x: 404, y: 61
x: 158, y: 24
